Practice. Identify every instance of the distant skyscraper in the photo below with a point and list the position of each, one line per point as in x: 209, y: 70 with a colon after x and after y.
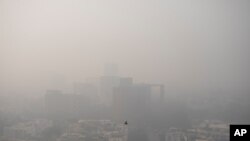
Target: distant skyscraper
x: 107, y: 84
x: 108, y: 81
x: 132, y: 103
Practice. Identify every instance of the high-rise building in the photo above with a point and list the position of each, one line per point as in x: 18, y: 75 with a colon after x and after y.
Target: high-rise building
x: 132, y: 103
x: 107, y: 84
x: 108, y: 81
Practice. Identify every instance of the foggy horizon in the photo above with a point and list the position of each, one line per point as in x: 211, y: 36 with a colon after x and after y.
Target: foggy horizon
x: 187, y: 45
x: 131, y: 70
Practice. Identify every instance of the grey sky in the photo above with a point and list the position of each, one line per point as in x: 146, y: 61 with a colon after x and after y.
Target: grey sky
x: 187, y: 44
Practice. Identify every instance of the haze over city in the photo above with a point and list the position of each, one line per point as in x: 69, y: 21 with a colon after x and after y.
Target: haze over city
x: 189, y: 49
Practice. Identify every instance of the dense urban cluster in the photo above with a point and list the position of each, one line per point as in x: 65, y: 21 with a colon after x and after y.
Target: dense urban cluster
x: 115, y: 108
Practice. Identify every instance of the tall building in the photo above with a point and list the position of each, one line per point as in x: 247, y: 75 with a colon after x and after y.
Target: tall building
x: 108, y: 81
x: 132, y: 103
x: 107, y: 84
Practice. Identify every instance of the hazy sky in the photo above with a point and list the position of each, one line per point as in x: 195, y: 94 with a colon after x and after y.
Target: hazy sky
x: 186, y: 44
